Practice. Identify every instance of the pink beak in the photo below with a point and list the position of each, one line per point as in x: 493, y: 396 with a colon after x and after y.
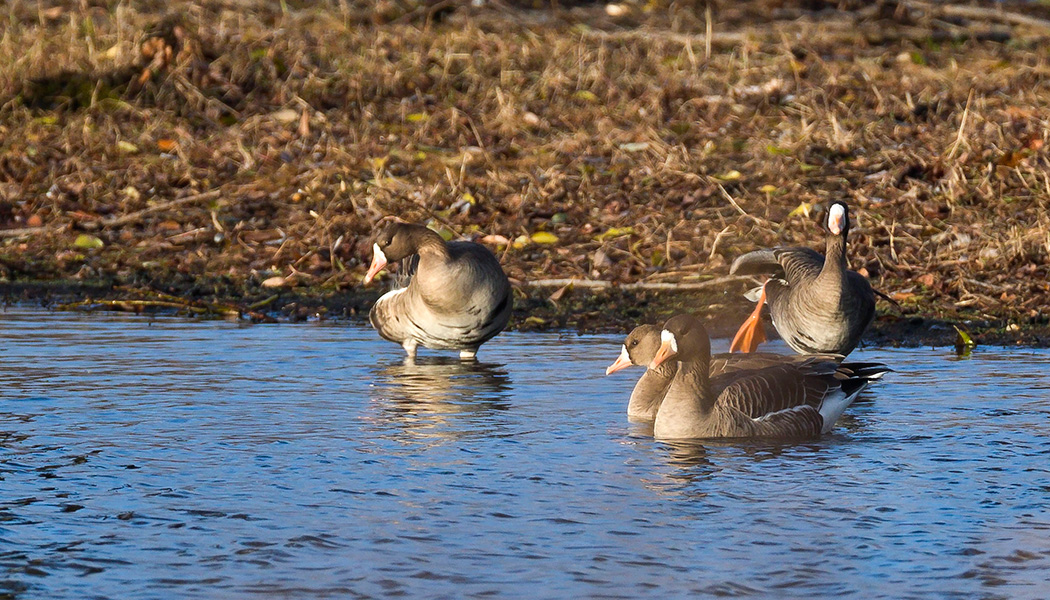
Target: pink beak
x: 378, y: 262
x: 622, y: 362
x: 665, y: 352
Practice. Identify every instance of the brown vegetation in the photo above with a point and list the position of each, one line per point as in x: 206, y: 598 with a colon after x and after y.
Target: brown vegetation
x: 234, y: 148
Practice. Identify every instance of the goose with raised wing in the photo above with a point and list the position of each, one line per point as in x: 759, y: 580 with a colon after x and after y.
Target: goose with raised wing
x: 800, y: 398
x: 817, y: 305
x: 640, y: 348
x: 450, y: 295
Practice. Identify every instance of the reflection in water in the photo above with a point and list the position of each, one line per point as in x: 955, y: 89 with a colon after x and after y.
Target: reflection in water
x: 423, y: 393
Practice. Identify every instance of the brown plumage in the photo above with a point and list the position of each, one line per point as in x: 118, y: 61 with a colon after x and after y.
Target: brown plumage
x: 817, y: 305
x: 800, y: 397
x: 640, y: 348
x: 452, y: 295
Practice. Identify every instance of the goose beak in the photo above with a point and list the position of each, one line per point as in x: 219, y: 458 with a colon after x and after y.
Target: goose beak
x: 378, y: 262
x: 622, y: 362
x: 665, y: 352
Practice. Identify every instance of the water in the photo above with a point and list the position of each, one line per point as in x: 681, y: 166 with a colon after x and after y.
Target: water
x: 163, y: 458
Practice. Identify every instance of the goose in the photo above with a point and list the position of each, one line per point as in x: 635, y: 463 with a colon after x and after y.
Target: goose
x: 817, y: 305
x: 800, y: 398
x: 640, y: 348
x: 452, y: 295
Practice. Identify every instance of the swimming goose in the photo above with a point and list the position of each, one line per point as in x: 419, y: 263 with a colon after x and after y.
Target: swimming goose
x: 817, y: 305
x: 453, y: 295
x: 798, y: 398
x: 640, y: 348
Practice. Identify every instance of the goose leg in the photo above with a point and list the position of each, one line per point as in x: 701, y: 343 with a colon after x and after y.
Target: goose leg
x: 410, y: 346
x: 751, y: 333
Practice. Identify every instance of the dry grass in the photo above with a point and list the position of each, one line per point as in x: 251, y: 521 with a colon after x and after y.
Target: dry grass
x: 268, y: 143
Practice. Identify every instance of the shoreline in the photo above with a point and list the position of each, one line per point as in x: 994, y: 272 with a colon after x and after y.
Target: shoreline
x: 582, y: 311
x: 192, y: 157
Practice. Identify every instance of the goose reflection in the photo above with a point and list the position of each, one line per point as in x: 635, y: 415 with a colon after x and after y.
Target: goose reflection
x: 442, y: 396
x: 698, y: 462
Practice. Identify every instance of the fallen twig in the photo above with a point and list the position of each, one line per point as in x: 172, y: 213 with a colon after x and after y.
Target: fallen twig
x: 21, y: 232
x: 134, y: 305
x: 979, y: 12
x: 135, y: 216
x: 641, y: 285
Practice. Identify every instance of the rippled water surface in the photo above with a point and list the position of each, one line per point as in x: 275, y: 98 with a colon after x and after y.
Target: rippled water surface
x: 154, y: 458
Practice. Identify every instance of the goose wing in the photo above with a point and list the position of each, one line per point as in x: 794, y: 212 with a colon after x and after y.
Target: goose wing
x: 794, y: 399
x: 761, y: 392
x: 736, y: 362
x: 792, y: 264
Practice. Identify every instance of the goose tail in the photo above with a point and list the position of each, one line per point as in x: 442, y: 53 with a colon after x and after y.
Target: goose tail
x: 838, y: 400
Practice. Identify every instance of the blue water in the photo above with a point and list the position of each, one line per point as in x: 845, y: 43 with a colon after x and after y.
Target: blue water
x: 163, y: 458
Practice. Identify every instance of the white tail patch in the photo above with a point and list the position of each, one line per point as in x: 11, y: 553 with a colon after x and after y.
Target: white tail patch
x: 834, y: 404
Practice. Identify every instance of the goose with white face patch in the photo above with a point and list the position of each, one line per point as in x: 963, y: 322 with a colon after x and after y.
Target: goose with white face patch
x: 450, y: 295
x: 817, y: 305
x: 801, y: 397
x: 640, y: 348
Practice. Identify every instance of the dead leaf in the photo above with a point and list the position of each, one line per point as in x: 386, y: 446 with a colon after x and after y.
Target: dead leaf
x: 87, y: 242
x: 1012, y: 159
x: 804, y: 208
x: 495, y: 240
x: 560, y: 292
x: 634, y: 146
x: 285, y: 115
x: 730, y: 176
x: 544, y: 237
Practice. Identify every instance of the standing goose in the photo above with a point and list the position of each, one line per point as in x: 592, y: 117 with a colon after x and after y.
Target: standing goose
x: 643, y: 342
x: 816, y: 303
x: 799, y: 398
x: 454, y: 295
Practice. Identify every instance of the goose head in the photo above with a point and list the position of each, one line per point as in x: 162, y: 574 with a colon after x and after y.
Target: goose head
x: 684, y: 339
x: 838, y: 219
x: 395, y: 242
x: 638, y: 349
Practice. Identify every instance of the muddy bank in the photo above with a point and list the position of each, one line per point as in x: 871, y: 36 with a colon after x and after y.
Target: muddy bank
x: 242, y: 154
x: 572, y: 310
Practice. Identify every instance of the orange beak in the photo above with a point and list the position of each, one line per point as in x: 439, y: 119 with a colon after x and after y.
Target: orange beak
x: 622, y: 362
x: 378, y: 262
x: 751, y: 333
x: 665, y: 352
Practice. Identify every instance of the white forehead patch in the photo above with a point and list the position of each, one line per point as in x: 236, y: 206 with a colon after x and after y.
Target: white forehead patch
x: 378, y: 254
x: 668, y: 338
x: 838, y: 211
